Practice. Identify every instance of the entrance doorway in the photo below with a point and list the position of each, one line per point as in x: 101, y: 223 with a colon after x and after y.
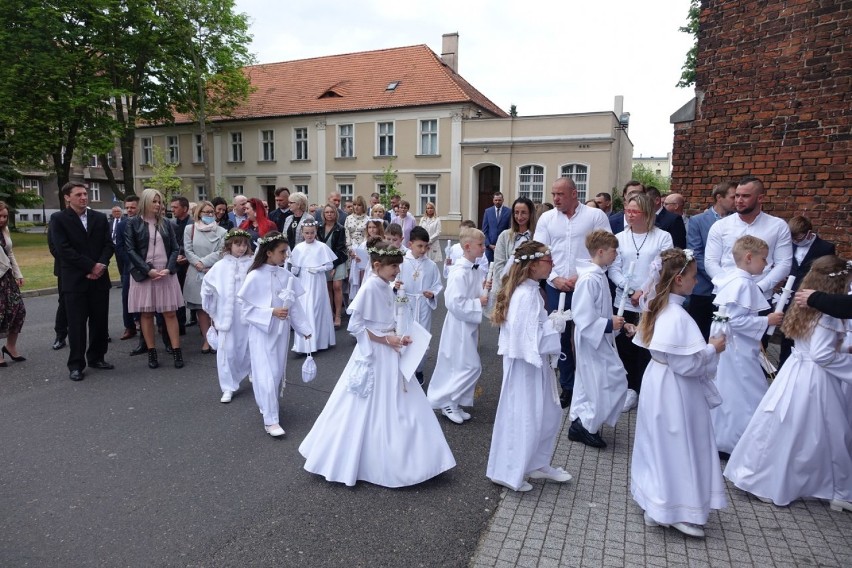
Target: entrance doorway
x: 488, y: 183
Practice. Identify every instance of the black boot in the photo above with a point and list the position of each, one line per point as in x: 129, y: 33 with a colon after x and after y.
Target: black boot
x: 152, y: 359
x: 141, y: 348
x: 178, y: 355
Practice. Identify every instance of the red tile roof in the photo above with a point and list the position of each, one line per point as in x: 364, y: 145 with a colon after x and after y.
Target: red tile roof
x: 355, y: 82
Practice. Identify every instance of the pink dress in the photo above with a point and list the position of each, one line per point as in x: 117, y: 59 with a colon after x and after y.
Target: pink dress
x: 161, y: 295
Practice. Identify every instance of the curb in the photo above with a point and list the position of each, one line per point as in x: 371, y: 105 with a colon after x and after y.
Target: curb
x: 55, y: 290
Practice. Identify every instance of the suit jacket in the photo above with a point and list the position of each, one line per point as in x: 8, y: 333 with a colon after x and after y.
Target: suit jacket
x: 616, y: 222
x: 492, y: 226
x: 120, y: 249
x: 279, y: 218
x: 696, y: 239
x: 673, y: 224
x: 79, y: 249
x: 113, y: 223
x: 818, y: 248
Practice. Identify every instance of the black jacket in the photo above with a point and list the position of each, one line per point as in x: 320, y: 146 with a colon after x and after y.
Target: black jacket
x: 673, y: 223
x: 78, y: 249
x: 136, y: 244
x: 818, y: 248
x: 337, y: 244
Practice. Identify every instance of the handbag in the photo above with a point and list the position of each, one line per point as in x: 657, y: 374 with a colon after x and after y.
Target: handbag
x: 138, y: 275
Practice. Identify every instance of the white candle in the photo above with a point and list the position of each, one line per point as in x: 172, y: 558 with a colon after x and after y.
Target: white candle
x: 786, y: 291
x: 562, y: 297
x: 490, y: 272
x: 624, y: 295
x: 401, y: 312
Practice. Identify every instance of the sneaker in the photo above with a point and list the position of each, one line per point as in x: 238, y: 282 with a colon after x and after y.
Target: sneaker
x: 578, y: 433
x: 632, y: 400
x: 552, y: 473
x: 274, y: 430
x: 649, y: 522
x: 525, y: 486
x: 838, y: 505
x: 464, y: 415
x: 451, y: 413
x: 689, y: 529
x: 226, y: 396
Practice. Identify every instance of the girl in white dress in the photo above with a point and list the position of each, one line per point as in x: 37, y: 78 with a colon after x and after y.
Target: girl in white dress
x: 376, y: 426
x: 528, y: 414
x: 360, y: 268
x: 265, y: 296
x: 309, y: 261
x: 675, y: 475
x: 798, y: 444
x: 219, y: 299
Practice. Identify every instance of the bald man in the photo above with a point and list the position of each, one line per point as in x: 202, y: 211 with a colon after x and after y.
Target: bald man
x: 238, y: 215
x: 674, y: 203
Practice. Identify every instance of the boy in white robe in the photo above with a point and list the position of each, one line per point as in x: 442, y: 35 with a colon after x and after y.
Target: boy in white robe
x: 422, y: 284
x: 310, y: 260
x: 394, y: 235
x: 219, y: 299
x: 600, y: 385
x: 740, y: 377
x: 458, y: 366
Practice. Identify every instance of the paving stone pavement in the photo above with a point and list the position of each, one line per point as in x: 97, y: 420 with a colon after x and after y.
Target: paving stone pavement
x: 593, y: 521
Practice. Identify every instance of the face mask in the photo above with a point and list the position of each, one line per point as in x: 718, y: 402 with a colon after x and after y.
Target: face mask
x: 208, y: 219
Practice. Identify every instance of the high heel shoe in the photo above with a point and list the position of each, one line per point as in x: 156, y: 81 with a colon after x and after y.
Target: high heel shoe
x: 16, y: 359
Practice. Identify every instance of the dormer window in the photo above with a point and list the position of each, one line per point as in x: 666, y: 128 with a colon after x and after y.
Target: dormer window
x: 392, y: 86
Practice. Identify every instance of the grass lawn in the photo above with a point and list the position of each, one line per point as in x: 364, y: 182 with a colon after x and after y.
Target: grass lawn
x: 36, y: 263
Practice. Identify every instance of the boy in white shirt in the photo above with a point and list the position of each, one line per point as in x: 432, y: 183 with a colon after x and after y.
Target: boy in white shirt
x: 394, y: 235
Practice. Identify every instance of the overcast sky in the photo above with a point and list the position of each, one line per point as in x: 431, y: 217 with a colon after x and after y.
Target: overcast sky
x: 546, y: 57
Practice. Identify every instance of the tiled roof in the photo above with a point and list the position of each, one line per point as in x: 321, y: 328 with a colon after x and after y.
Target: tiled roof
x: 355, y: 82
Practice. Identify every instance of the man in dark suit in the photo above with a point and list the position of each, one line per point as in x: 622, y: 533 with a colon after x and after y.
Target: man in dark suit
x: 807, y: 247
x: 666, y: 220
x: 282, y: 208
x: 81, y: 239
x: 180, y: 211
x: 131, y: 206
x: 495, y: 220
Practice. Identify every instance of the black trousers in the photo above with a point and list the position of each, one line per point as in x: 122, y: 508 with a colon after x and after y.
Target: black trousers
x: 701, y: 309
x: 88, y: 321
x: 634, y: 358
x: 568, y: 365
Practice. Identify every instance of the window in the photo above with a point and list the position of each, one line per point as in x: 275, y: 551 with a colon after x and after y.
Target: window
x: 385, y: 141
x: 580, y: 174
x: 201, y: 191
x: 531, y: 183
x: 237, y: 189
x: 302, y: 188
x: 429, y: 137
x: 198, y: 158
x: 112, y: 159
x: 24, y: 217
x: 346, y: 141
x: 426, y: 192
x: 93, y: 161
x: 236, y: 146
x: 172, y: 149
x: 31, y: 185
x: 300, y: 143
x: 347, y: 192
x: 267, y: 145
x: 381, y: 189
x: 37, y: 217
x: 94, y: 191
x: 147, y: 150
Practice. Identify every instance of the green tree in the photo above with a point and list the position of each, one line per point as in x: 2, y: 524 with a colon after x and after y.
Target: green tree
x: 9, y: 190
x: 390, y: 179
x: 164, y: 178
x: 687, y: 76
x: 649, y: 177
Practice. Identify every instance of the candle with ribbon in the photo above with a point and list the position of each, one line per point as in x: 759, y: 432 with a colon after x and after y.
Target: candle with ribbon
x: 624, y: 295
x: 786, y: 292
x: 401, y: 312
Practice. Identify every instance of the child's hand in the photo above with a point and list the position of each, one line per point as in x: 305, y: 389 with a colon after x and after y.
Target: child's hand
x: 775, y: 318
x: 406, y: 340
x: 634, y: 299
x: 281, y: 313
x: 629, y: 329
x: 487, y: 285
x: 483, y: 300
x: 397, y: 284
x: 617, y: 322
x: 718, y: 343
x: 428, y: 295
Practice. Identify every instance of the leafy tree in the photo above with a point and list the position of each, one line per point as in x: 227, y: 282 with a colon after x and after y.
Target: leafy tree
x: 390, y: 179
x: 687, y: 76
x: 164, y: 178
x: 649, y: 177
x: 9, y: 191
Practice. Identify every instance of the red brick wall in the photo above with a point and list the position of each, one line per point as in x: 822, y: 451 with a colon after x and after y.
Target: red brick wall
x: 776, y: 80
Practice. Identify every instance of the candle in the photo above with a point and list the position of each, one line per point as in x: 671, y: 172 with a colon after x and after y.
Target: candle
x: 624, y: 296
x: 490, y: 272
x: 786, y: 291
x: 562, y: 297
x: 719, y: 328
x: 401, y: 312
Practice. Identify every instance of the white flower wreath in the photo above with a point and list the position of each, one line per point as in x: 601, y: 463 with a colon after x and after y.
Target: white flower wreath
x: 534, y: 256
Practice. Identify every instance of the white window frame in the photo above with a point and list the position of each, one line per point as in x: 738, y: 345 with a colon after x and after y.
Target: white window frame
x: 93, y: 161
x: 94, y: 191
x: 427, y: 141
x: 237, y: 189
x: 199, y: 149
x: 346, y: 191
x: 581, y: 178
x: 381, y: 189
x: 267, y: 146
x: 31, y: 185
x: 173, y: 149
x: 345, y: 142
x: 386, y: 136
x: 424, y: 197
x: 147, y: 154
x: 236, y: 153
x: 301, y: 187
x: 300, y: 144
x: 532, y: 188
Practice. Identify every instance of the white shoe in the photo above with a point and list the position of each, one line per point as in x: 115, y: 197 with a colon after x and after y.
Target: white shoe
x: 226, y: 396
x: 632, y: 400
x: 649, y: 522
x: 274, y: 430
x: 838, y: 505
x: 451, y: 413
x: 552, y: 473
x: 689, y: 529
x: 525, y: 486
x: 464, y: 415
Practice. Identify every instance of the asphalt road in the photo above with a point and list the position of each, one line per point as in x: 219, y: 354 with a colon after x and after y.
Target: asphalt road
x: 134, y: 467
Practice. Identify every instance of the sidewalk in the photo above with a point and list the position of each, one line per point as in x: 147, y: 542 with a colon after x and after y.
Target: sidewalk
x: 593, y: 521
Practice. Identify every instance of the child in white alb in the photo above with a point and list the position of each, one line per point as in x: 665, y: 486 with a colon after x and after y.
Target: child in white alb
x: 374, y: 228
x: 309, y: 261
x: 456, y: 252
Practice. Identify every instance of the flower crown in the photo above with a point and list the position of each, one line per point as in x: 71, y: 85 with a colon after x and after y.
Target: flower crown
x: 690, y: 256
x: 273, y: 238
x: 385, y: 252
x: 533, y: 256
x: 237, y: 233
x: 842, y: 272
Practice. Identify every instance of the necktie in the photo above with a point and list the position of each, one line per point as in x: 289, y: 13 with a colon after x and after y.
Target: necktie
x: 475, y: 267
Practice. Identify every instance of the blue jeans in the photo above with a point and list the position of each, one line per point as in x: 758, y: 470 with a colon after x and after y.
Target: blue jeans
x: 566, y: 367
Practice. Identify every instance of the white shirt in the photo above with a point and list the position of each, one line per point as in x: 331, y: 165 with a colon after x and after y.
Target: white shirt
x: 719, y: 258
x: 85, y: 219
x: 642, y: 249
x: 566, y: 237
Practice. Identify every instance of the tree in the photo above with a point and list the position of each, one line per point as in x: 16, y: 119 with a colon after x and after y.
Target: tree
x: 9, y: 192
x: 687, y: 76
x: 648, y: 177
x: 390, y: 179
x: 164, y: 178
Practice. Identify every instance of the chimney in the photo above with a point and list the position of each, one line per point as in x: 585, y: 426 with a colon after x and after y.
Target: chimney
x: 450, y: 51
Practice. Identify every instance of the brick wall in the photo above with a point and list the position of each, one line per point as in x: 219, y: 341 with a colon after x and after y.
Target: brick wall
x: 774, y: 99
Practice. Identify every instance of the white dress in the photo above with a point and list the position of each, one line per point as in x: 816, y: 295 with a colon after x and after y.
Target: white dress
x: 419, y: 275
x: 219, y: 299
x: 433, y: 227
x: 528, y: 414
x: 310, y: 263
x: 458, y: 366
x: 675, y: 475
x: 269, y: 336
x: 799, y: 441
x: 600, y: 382
x: 386, y: 433
x: 740, y: 377
x: 358, y: 265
